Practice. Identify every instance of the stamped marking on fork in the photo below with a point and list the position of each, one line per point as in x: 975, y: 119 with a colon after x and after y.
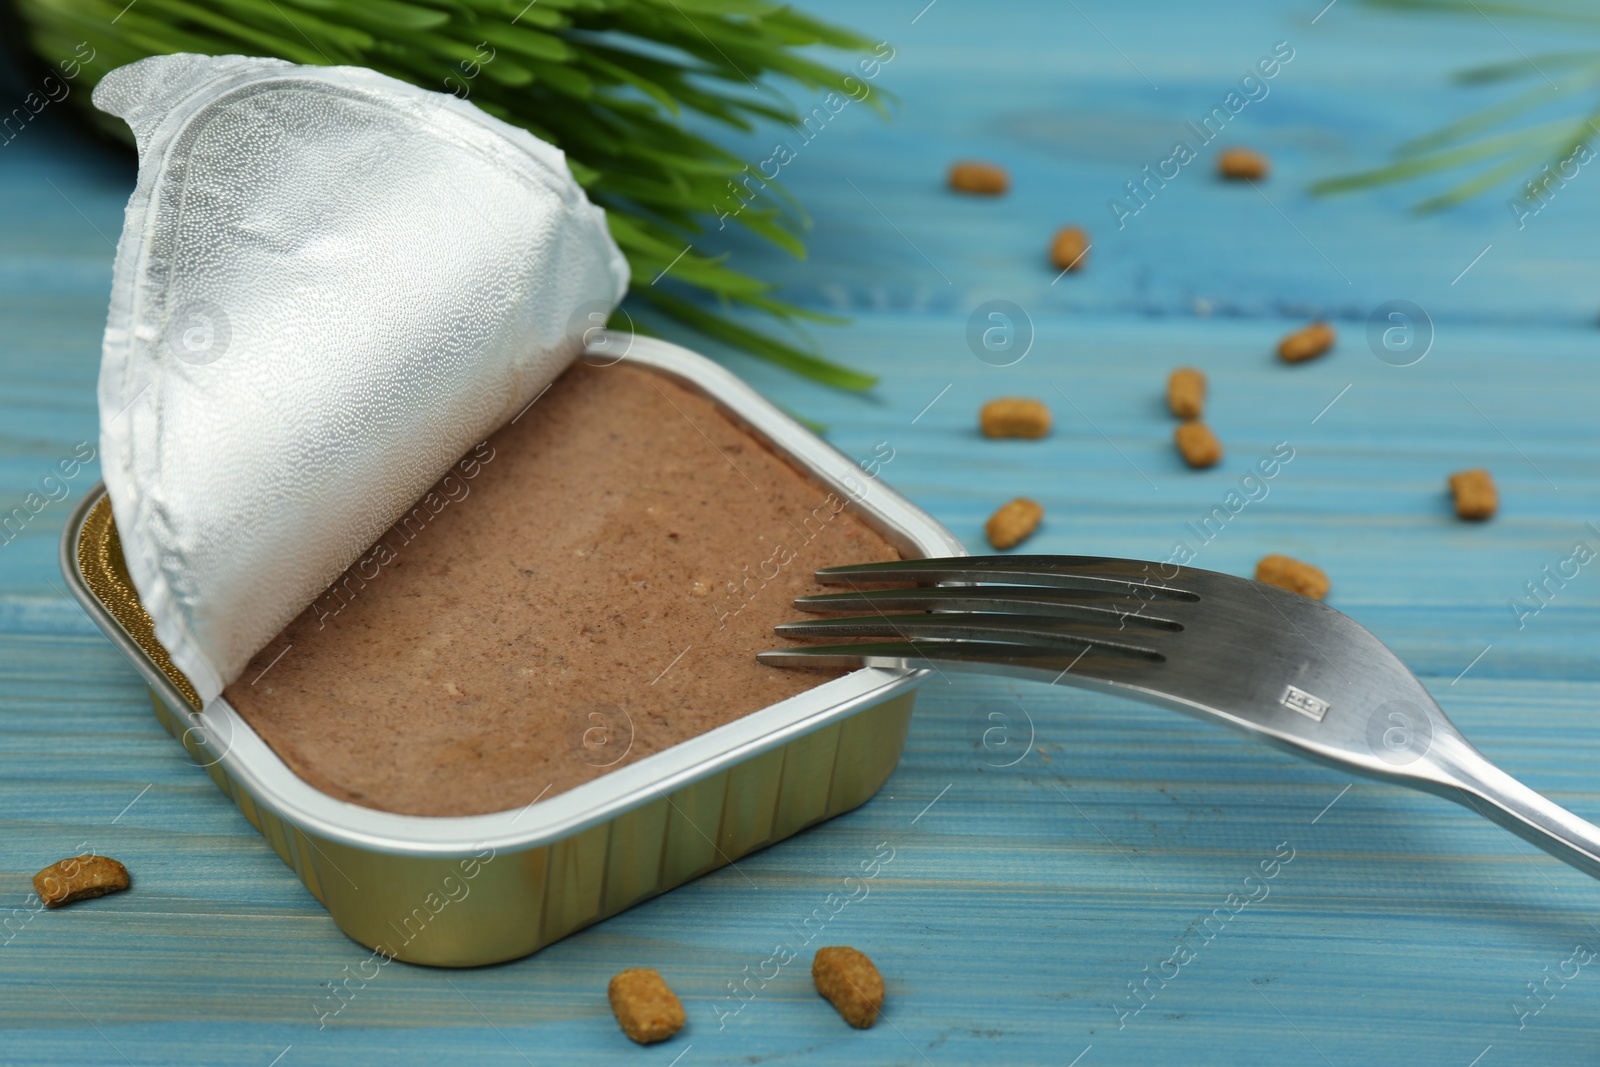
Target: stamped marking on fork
x: 1308, y: 704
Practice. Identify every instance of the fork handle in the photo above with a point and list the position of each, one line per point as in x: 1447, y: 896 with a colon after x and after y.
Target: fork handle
x: 1497, y: 796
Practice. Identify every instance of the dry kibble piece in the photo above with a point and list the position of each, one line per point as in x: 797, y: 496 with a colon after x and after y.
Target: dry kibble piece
x: 1012, y: 524
x: 1070, y: 249
x: 1198, y: 444
x: 1242, y: 164
x: 1291, y: 574
x: 1014, y: 416
x: 850, y: 982
x: 645, y: 1006
x: 1307, y: 343
x: 1475, y: 494
x: 980, y: 179
x: 80, y: 878
x: 1186, y: 393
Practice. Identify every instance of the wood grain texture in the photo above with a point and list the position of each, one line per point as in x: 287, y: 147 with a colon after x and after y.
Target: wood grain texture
x: 1022, y: 902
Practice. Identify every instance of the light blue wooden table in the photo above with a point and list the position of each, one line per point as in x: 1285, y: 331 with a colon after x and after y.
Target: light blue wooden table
x: 1022, y: 900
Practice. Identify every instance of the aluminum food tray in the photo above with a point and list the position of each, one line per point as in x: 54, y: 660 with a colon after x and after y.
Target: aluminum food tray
x: 465, y: 891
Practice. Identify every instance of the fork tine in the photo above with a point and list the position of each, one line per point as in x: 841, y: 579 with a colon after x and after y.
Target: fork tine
x: 1090, y: 604
x: 1087, y: 667
x: 1074, y: 572
x: 1050, y: 633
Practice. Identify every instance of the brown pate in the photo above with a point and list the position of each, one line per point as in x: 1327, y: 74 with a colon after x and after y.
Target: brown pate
x: 587, y: 587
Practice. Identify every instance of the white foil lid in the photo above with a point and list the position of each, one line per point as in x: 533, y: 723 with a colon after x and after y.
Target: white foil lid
x: 330, y: 285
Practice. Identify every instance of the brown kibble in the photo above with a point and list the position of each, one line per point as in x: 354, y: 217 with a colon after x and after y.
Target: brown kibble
x: 1198, y: 444
x: 1070, y: 249
x: 1242, y: 164
x: 1291, y: 574
x: 645, y: 1006
x: 1186, y: 393
x: 1013, y: 523
x: 1014, y: 416
x: 80, y: 878
x: 979, y: 179
x: 850, y: 982
x: 1475, y: 494
x: 1307, y: 343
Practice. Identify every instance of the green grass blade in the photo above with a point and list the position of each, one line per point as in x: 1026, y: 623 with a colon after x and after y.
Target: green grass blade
x: 1487, y: 179
x: 1486, y: 9
x: 759, y: 344
x: 1421, y: 166
x: 1486, y: 119
x: 524, y: 42
x: 1527, y: 67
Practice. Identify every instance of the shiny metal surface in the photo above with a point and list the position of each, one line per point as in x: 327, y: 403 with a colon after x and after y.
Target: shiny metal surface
x: 1270, y: 663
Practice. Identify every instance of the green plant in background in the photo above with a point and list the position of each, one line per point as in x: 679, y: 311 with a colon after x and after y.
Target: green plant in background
x: 1483, y: 142
x: 607, y: 81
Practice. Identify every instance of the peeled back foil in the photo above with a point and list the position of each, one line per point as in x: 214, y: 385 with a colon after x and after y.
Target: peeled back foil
x: 330, y: 285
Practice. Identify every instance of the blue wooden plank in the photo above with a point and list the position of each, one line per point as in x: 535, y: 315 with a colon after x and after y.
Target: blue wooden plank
x: 1022, y: 902
x: 1034, y: 87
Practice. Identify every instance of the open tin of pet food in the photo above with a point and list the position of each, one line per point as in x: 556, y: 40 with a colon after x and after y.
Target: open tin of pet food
x: 465, y: 890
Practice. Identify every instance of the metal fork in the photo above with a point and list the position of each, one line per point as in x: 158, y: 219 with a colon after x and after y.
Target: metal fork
x: 1273, y: 664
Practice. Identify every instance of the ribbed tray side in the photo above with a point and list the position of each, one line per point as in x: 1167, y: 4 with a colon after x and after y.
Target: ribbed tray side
x: 489, y: 907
